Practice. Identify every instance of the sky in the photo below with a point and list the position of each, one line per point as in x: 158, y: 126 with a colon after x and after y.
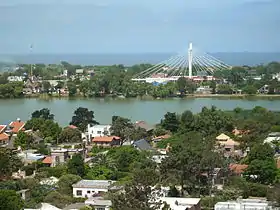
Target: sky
x: 138, y: 26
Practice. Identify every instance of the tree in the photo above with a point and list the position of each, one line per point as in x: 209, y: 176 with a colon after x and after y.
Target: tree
x: 170, y: 122
x: 76, y: 165
x: 212, y: 121
x: 50, y: 129
x: 57, y: 199
x: 82, y: 118
x: 9, y: 163
x: 65, y: 183
x: 46, y: 86
x: 181, y: 84
x: 139, y: 194
x: 191, y: 155
x: 23, y: 140
x: 122, y: 127
x: 43, y: 113
x: 262, y: 165
x: 70, y: 135
x: 10, y: 200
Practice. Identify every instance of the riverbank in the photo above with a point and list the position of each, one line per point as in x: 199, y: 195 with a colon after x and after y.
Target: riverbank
x: 148, y: 97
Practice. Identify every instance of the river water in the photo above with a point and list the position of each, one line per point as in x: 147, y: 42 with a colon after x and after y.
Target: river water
x: 149, y: 110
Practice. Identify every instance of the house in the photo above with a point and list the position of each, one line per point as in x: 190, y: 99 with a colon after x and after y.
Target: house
x: 61, y: 155
x: 237, y: 169
x: 142, y: 145
x: 142, y: 124
x: 98, y: 130
x: 227, y: 143
x: 91, y: 188
x: 182, y: 203
x: 159, y: 138
x: 107, y: 141
x: 4, y: 137
x: 16, y: 126
x: 244, y: 204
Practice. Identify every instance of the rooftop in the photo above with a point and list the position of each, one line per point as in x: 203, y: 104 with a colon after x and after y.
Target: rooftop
x: 98, y: 202
x: 143, y: 145
x: 105, y: 138
x: 100, y: 184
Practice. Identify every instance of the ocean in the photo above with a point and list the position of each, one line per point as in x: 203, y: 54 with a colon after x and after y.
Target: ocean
x: 238, y: 58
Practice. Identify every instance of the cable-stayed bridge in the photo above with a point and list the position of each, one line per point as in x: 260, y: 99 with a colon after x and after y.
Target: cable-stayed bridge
x: 190, y: 65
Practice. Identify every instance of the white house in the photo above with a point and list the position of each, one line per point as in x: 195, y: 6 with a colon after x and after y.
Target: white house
x: 182, y: 203
x: 98, y: 131
x: 243, y: 204
x: 91, y: 188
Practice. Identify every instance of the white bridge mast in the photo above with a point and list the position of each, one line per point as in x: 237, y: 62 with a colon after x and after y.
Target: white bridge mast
x: 190, y: 59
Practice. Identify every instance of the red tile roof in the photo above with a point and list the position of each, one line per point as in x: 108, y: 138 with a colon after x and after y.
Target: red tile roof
x: 17, y: 126
x: 47, y: 160
x: 2, y: 128
x: 72, y: 126
x: 105, y: 138
x: 238, y: 168
x: 4, y: 137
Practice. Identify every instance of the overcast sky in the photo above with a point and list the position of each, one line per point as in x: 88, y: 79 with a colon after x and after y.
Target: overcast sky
x: 133, y: 26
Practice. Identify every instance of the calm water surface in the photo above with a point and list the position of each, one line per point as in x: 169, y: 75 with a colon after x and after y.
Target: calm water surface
x: 148, y: 110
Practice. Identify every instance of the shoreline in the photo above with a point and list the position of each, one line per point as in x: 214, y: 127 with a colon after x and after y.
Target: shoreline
x: 188, y: 96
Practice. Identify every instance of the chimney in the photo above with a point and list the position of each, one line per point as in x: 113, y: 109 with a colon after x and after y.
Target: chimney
x: 18, y: 119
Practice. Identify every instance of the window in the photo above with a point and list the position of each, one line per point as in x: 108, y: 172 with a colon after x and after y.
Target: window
x: 100, y: 208
x: 88, y: 192
x: 99, y: 132
x: 79, y: 192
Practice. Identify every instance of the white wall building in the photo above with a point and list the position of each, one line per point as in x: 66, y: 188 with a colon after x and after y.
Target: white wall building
x: 98, y: 130
x: 91, y: 188
x: 243, y: 204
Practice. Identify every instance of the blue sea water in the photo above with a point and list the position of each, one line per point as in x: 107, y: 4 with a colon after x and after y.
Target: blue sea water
x: 238, y: 58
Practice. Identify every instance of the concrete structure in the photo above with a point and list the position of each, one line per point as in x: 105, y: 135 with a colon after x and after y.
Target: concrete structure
x: 91, y: 188
x: 243, y: 204
x: 98, y: 130
x: 24, y: 194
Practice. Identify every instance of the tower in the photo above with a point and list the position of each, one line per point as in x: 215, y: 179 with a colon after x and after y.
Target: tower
x: 190, y: 58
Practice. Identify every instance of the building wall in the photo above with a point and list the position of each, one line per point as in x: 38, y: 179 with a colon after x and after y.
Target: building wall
x: 87, y: 192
